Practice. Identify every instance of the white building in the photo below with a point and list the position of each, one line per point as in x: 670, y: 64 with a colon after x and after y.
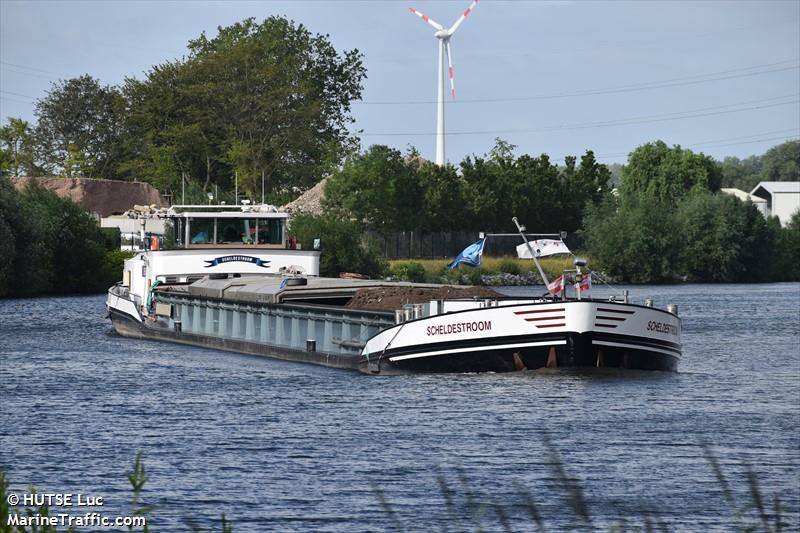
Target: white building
x: 782, y: 198
x: 760, y: 203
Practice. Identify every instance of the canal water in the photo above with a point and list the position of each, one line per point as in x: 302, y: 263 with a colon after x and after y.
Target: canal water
x: 277, y: 446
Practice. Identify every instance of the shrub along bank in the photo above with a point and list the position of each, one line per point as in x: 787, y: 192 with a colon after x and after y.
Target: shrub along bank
x: 49, y: 245
x: 493, y: 271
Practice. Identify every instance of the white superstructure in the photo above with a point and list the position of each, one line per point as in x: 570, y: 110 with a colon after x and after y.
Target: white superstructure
x: 214, y: 241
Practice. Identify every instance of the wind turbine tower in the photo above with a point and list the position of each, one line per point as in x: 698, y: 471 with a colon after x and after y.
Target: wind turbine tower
x: 443, y: 35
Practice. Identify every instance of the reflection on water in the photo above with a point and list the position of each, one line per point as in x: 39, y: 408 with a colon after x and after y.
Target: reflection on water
x: 291, y: 447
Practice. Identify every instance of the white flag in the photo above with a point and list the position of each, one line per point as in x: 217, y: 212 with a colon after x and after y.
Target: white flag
x: 542, y: 248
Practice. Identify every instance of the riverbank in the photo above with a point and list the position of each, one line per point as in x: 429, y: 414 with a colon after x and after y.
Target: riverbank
x: 494, y: 271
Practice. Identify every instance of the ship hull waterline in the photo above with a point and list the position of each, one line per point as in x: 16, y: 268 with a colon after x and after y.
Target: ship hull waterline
x: 565, y: 350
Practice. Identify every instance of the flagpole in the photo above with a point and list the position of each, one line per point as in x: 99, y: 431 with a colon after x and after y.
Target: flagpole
x: 521, y: 230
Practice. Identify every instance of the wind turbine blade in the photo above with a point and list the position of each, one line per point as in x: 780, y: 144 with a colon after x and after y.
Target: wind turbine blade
x: 450, y: 64
x: 427, y: 19
x: 455, y: 26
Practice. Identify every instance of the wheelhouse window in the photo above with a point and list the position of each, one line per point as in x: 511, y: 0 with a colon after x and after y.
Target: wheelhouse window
x: 201, y: 230
x: 236, y: 230
x: 270, y: 231
x: 230, y: 231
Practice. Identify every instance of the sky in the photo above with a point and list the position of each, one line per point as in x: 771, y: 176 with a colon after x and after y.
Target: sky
x: 559, y: 78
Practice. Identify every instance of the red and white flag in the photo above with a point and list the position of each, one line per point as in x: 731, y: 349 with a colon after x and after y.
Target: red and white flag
x: 556, y: 286
x: 584, y: 283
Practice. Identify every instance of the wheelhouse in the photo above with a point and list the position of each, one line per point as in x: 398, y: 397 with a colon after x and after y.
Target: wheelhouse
x: 198, y: 227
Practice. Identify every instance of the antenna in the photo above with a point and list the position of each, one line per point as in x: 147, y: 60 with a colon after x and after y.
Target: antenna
x: 443, y: 35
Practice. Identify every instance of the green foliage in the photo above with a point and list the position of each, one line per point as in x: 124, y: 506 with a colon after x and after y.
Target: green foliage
x: 390, y: 192
x: 343, y: 246
x: 409, y: 271
x: 786, y: 262
x: 637, y: 240
x: 137, y: 478
x: 666, y: 225
x: 779, y: 163
x: 266, y: 98
x: 113, y: 264
x: 668, y: 174
x: 18, y: 148
x: 782, y: 162
x: 50, y: 245
x: 725, y: 239
x: 79, y: 125
x: 508, y: 266
x: 741, y: 174
x: 376, y: 187
x: 707, y: 238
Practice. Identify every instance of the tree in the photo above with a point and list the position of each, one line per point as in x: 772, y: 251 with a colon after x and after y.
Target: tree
x: 635, y: 239
x: 724, y: 239
x: 343, y: 246
x: 265, y: 98
x: 668, y: 174
x: 782, y: 163
x: 779, y: 163
x: 786, y: 261
x: 586, y: 185
x: 742, y: 174
x: 79, y: 128
x: 60, y: 248
x: 378, y: 188
x: 18, y: 149
x: 11, y: 219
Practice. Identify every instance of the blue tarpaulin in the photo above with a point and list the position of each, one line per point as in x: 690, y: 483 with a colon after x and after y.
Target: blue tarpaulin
x: 470, y: 256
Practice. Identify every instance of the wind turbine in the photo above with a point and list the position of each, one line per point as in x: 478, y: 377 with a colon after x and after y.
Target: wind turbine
x: 443, y: 34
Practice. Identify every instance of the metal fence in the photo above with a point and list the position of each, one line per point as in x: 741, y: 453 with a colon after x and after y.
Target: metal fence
x: 437, y: 245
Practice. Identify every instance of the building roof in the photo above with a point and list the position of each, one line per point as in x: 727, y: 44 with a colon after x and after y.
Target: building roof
x: 743, y: 196
x: 773, y: 187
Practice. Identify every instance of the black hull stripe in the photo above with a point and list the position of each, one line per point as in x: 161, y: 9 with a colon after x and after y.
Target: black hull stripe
x: 607, y: 310
x: 478, y: 349
x: 471, y: 343
x: 631, y: 339
x: 531, y: 338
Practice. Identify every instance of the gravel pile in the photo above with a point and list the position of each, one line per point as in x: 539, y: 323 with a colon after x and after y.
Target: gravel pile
x: 310, y: 202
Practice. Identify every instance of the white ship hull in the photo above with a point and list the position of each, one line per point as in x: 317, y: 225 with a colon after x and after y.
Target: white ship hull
x: 530, y: 335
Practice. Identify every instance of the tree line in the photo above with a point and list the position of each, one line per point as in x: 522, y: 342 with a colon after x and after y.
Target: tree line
x: 270, y: 103
x: 779, y: 163
x: 264, y: 99
x: 50, y: 245
x: 390, y: 191
x: 666, y: 220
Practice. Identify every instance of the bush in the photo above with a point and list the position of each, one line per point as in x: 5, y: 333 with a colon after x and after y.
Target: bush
x: 342, y: 244
x: 725, y: 240
x: 786, y: 261
x: 636, y: 240
x: 49, y: 245
x: 409, y: 271
x: 113, y: 265
x: 508, y: 266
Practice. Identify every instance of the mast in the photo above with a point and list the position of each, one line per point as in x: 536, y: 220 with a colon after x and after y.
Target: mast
x: 521, y: 230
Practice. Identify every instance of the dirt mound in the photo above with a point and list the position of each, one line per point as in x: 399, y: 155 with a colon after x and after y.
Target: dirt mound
x: 389, y: 298
x: 103, y: 197
x: 309, y: 202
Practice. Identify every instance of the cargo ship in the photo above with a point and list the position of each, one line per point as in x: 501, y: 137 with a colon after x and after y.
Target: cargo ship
x: 230, y: 278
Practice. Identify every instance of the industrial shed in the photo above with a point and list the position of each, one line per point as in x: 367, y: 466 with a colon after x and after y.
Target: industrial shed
x: 782, y: 197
